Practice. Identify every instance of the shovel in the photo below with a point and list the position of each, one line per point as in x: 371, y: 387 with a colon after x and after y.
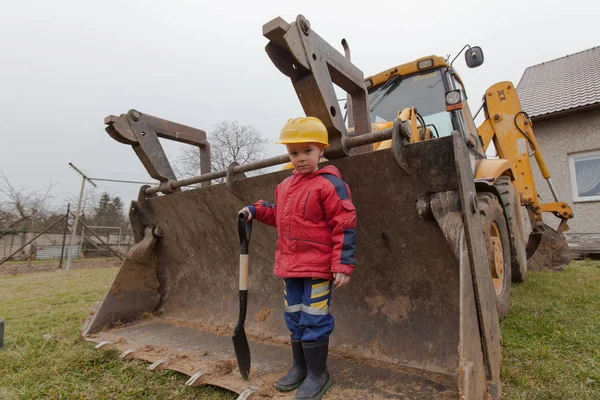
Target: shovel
x: 240, y: 342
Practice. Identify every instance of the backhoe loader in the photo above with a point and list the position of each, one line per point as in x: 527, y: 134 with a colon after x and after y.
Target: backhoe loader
x: 437, y: 223
x: 504, y: 183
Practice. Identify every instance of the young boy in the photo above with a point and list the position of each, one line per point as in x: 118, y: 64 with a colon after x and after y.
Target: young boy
x: 316, y: 230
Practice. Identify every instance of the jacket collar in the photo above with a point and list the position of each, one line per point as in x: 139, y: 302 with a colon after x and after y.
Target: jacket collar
x: 328, y: 169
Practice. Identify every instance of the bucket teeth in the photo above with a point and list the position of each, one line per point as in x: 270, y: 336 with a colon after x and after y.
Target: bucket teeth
x: 157, y: 365
x: 195, y: 380
x: 127, y: 354
x: 247, y: 394
x: 103, y: 344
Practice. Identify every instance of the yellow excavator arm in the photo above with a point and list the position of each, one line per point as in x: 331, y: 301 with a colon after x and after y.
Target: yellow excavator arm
x: 510, y: 129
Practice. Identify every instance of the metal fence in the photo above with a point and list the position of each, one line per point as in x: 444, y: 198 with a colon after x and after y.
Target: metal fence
x: 53, y: 252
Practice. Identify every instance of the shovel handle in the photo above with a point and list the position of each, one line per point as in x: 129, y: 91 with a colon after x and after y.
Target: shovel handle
x: 245, y: 231
x: 244, y: 272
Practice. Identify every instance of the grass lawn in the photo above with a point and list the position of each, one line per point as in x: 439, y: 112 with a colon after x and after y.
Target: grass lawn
x: 551, y: 337
x: 63, y: 365
x: 551, y: 341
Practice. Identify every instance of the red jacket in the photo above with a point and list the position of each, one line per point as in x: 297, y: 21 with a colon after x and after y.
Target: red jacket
x: 316, y: 225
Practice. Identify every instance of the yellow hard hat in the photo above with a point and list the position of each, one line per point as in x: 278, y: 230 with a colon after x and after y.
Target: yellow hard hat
x: 304, y: 130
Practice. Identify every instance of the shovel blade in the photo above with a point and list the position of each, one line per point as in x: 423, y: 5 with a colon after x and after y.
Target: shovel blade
x: 242, y: 352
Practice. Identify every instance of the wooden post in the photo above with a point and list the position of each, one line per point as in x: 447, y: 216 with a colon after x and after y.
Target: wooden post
x: 31, y: 245
x: 84, y: 177
x: 62, y: 250
x: 82, y: 242
x: 74, y: 231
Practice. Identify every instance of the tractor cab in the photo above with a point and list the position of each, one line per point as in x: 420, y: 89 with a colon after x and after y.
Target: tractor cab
x: 432, y: 87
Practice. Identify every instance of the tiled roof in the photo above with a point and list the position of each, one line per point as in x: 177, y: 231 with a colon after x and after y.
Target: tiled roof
x: 565, y: 83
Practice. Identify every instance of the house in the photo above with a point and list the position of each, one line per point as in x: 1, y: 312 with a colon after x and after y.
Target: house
x: 562, y: 98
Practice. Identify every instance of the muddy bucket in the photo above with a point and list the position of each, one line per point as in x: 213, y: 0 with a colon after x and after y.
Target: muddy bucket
x: 547, y: 250
x: 407, y: 326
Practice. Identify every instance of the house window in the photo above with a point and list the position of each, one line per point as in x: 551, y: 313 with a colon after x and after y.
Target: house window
x: 585, y: 176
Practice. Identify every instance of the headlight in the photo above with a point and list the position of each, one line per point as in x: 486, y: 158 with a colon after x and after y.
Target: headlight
x: 453, y: 97
x: 424, y: 64
x: 453, y: 100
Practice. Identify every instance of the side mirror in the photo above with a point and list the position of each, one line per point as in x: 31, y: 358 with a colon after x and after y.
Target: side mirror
x: 474, y: 57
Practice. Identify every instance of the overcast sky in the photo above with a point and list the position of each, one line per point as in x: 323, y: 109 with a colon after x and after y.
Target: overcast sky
x: 65, y: 65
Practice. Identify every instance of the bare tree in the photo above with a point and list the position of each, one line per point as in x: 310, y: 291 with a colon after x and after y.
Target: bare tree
x: 229, y: 142
x: 18, y: 205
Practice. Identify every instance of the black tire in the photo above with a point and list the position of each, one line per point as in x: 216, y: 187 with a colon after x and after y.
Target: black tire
x: 496, y: 234
x: 515, y: 228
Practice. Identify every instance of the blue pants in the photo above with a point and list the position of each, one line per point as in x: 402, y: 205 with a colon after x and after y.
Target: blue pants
x: 306, y: 308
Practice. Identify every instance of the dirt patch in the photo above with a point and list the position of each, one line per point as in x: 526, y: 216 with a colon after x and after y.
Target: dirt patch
x: 134, y: 276
x: 15, y: 268
x: 394, y: 309
x: 267, y: 389
x: 263, y: 314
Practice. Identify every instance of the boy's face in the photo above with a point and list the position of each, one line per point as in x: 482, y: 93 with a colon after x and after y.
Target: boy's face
x: 305, y: 156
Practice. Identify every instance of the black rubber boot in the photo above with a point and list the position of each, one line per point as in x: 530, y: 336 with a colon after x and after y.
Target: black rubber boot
x: 297, y: 373
x: 317, y: 379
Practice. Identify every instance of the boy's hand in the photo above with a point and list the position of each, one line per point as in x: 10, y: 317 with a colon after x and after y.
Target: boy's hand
x: 246, y: 211
x: 341, y: 279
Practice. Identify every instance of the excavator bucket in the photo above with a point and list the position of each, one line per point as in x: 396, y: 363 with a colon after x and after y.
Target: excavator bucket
x: 548, y: 250
x: 417, y: 321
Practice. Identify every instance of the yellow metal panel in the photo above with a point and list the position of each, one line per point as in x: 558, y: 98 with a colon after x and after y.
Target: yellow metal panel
x: 538, y: 154
x: 415, y: 134
x: 492, y: 168
x: 386, y: 144
x: 556, y: 208
x: 379, y: 126
x: 503, y: 105
x: 406, y: 69
x: 486, y: 132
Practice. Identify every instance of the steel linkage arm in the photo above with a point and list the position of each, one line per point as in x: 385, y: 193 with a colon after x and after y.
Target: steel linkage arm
x: 349, y: 143
x: 142, y: 131
x: 313, y: 66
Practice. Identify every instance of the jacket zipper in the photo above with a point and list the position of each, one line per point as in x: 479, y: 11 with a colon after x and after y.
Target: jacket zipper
x: 305, y: 203
x: 291, y: 185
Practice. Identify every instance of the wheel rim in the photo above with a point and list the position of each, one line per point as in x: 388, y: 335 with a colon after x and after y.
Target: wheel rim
x: 496, y: 255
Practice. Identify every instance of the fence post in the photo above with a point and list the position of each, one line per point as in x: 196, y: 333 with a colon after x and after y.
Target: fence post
x: 62, y: 249
x: 31, y: 246
x: 1, y: 333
